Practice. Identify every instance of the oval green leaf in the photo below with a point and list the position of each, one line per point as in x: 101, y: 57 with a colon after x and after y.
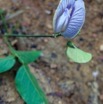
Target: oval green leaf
x: 6, y: 63
x: 28, y: 87
x: 26, y: 57
x: 78, y: 55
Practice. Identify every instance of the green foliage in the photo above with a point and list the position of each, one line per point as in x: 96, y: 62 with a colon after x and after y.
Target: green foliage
x: 6, y: 63
x: 2, y: 12
x: 26, y: 57
x: 26, y: 83
x: 77, y: 55
x: 28, y: 87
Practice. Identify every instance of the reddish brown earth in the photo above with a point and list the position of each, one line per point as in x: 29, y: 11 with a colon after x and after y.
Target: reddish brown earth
x: 63, y: 81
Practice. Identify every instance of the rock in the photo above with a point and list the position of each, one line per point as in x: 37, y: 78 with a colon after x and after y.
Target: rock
x: 60, y: 102
x: 67, y: 87
x: 11, y: 96
x: 46, y: 40
x: 95, y: 74
x: 101, y: 97
x: 49, y: 26
x: 101, y: 47
x: 53, y: 66
x: 48, y: 12
x: 53, y: 55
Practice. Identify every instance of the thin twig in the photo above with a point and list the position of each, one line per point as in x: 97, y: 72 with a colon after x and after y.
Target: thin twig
x: 11, y: 16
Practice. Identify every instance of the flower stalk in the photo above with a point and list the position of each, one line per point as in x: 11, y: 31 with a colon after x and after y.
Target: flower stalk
x: 34, y: 36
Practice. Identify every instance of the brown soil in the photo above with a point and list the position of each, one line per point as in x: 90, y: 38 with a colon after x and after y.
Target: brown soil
x: 63, y: 81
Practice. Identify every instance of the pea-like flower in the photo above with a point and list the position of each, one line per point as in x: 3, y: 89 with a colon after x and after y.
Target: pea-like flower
x: 69, y: 17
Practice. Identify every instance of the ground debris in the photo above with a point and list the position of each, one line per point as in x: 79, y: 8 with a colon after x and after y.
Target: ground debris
x: 94, y: 95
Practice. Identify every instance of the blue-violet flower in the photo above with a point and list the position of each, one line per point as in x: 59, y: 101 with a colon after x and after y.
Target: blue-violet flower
x: 69, y: 17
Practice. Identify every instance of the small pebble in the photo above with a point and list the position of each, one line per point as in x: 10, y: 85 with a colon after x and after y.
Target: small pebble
x: 48, y: 12
x: 101, y: 47
x: 60, y: 102
x: 95, y: 74
x: 53, y: 55
x: 101, y: 97
x: 45, y: 40
x: 53, y: 66
x: 49, y: 26
x: 33, y: 46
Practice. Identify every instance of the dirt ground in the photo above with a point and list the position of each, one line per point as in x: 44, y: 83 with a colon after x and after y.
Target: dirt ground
x: 63, y: 81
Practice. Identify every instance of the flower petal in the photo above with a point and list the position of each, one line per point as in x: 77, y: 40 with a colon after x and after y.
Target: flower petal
x: 77, y: 20
x: 59, y: 11
x: 62, y: 21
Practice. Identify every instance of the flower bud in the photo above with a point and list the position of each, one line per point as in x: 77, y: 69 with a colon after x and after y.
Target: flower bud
x: 69, y: 17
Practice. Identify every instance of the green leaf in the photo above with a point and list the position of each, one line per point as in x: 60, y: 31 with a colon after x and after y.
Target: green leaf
x: 28, y: 87
x: 6, y: 63
x: 78, y: 55
x: 2, y: 11
x: 26, y: 57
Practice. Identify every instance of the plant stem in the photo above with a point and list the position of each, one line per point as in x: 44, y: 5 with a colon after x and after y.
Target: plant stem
x: 35, y: 36
x: 6, y: 38
x: 9, y: 45
x: 4, y: 22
